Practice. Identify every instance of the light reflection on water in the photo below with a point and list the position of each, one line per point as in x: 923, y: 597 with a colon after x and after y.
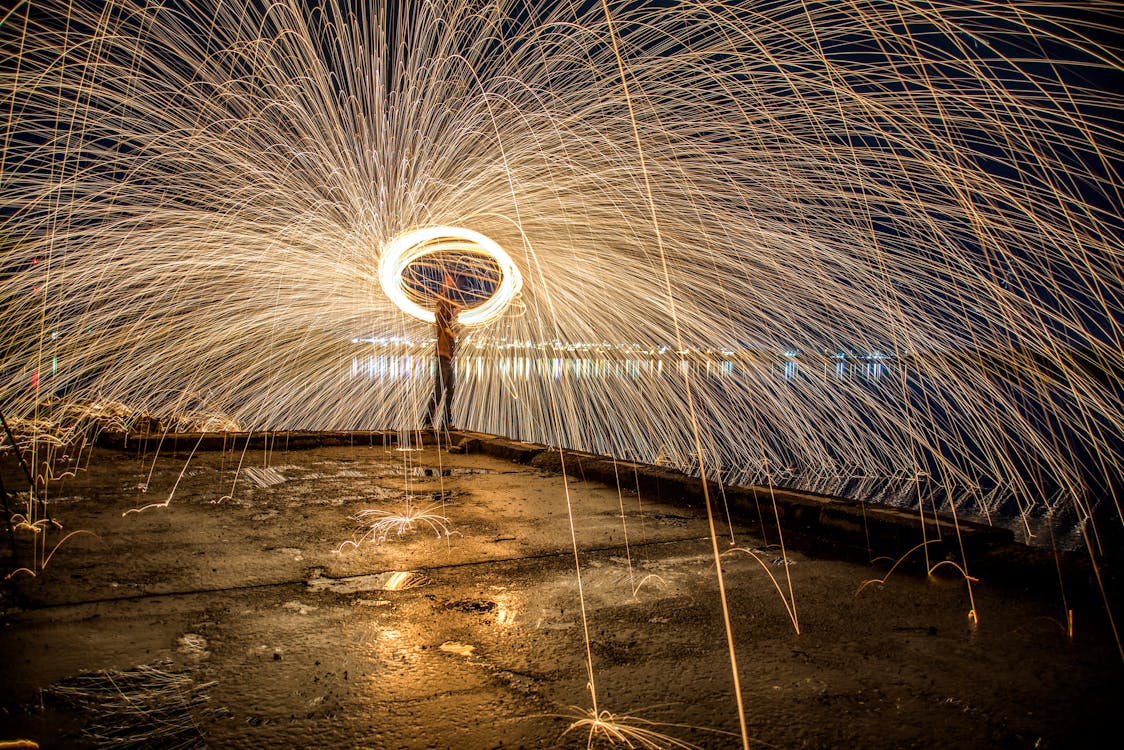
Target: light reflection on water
x: 405, y: 366
x: 401, y: 366
x: 836, y: 391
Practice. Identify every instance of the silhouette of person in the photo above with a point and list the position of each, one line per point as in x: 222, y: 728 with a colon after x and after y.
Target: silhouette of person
x: 447, y: 329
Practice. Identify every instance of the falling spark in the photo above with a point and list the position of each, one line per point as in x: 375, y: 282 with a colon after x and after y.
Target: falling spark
x: 789, y: 604
x: 398, y: 523
x: 973, y: 615
x: 39, y: 528
x: 626, y: 730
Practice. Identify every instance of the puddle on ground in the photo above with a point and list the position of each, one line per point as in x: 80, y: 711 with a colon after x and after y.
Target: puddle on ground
x: 666, y: 519
x: 460, y: 649
x: 475, y: 606
x: 429, y: 471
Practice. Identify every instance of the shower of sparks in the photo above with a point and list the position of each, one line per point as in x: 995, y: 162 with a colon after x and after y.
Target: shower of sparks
x: 621, y: 730
x: 149, y: 706
x: 400, y: 524
x: 197, y: 197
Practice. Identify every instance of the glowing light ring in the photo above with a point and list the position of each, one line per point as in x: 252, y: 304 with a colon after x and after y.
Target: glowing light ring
x: 409, y: 247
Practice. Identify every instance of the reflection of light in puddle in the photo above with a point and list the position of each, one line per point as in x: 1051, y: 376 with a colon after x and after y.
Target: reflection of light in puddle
x: 504, y: 616
x: 390, y: 635
x: 460, y: 649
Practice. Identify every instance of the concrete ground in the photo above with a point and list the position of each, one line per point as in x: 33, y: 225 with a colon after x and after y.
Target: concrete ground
x: 241, y: 616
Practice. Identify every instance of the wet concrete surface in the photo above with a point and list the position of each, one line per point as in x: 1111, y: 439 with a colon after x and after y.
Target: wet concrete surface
x: 284, y: 634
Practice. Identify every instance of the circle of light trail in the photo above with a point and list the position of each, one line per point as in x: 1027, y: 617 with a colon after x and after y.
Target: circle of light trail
x: 192, y: 214
x: 415, y: 245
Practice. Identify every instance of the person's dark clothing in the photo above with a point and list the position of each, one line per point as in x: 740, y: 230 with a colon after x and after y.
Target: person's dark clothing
x: 443, y: 386
x: 445, y: 380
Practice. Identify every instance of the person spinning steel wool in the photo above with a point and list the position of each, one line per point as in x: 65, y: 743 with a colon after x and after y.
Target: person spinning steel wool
x: 447, y: 330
